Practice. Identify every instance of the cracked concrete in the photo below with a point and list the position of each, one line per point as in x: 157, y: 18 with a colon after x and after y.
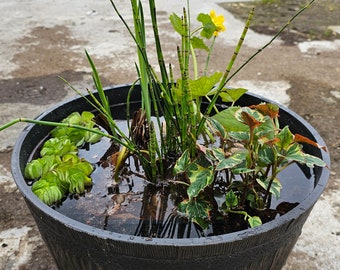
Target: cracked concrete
x: 43, y: 39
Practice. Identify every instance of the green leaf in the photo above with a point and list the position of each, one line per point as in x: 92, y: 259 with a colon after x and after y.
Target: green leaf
x: 231, y: 200
x: 87, y: 117
x: 77, y: 180
x: 68, y: 175
x: 92, y: 137
x: 254, y: 221
x: 74, y: 172
x: 294, y: 153
x: 208, y: 26
x: 275, y: 187
x: 266, y: 131
x: 70, y: 158
x: 228, y: 120
x: 252, y: 200
x: 34, y: 169
x: 60, y: 169
x: 312, y: 161
x: 203, y: 85
x: 266, y: 155
x: 198, y: 43
x: 232, y: 161
x: 48, y: 190
x: 74, y: 119
x: 219, y: 129
x: 78, y: 136
x: 49, y: 195
x: 58, y: 147
x: 286, y: 138
x: 182, y: 163
x: 177, y: 24
x: 232, y: 95
x: 203, y: 223
x: 240, y: 136
x: 38, y: 167
x: 218, y: 153
x: 200, y: 177
x: 196, y: 210
x: 198, y: 88
x: 85, y: 166
x: 241, y: 169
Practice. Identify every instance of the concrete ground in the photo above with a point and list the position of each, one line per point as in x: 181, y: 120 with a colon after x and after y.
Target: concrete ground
x: 41, y: 39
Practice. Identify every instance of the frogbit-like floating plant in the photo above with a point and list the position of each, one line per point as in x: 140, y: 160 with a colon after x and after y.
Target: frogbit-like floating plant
x: 181, y: 134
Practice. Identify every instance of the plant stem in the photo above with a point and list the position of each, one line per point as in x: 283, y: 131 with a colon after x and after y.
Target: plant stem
x: 209, y: 55
x: 194, y: 61
x: 226, y: 79
x: 227, y: 71
x: 139, y: 25
x: 58, y: 124
x: 272, y: 39
x: 165, y: 79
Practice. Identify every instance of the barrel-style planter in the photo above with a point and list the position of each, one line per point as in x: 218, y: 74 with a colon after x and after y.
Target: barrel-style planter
x: 75, y: 245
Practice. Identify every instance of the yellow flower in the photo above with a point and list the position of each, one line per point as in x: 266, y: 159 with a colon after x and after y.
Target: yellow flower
x: 218, y: 21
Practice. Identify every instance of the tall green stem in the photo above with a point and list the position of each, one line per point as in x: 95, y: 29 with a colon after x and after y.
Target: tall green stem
x: 227, y: 71
x: 165, y: 79
x: 231, y: 62
x: 139, y: 25
x: 208, y: 57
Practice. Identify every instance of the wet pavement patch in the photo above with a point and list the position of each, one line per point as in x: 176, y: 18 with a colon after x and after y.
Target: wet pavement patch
x: 46, y: 89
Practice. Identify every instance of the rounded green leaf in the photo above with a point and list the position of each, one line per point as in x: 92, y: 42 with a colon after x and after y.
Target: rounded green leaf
x: 254, y: 221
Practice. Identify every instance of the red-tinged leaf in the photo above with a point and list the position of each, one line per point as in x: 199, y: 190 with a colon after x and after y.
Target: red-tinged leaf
x: 267, y: 109
x: 202, y: 148
x: 271, y: 142
x: 302, y: 139
x: 250, y: 121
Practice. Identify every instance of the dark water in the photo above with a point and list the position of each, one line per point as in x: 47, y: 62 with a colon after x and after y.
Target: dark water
x: 132, y: 213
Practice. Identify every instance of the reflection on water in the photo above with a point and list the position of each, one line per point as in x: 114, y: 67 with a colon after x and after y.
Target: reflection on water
x: 146, y: 210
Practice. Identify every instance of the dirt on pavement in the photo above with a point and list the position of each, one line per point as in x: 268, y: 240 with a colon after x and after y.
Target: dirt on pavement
x: 271, y: 15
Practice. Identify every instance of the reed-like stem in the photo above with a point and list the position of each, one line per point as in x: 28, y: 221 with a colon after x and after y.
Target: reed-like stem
x: 161, y: 63
x: 139, y: 25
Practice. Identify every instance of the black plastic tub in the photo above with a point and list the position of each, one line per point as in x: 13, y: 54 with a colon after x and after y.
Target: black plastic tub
x: 75, y: 245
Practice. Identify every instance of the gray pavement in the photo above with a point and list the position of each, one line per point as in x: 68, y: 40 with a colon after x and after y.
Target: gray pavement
x: 40, y: 39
